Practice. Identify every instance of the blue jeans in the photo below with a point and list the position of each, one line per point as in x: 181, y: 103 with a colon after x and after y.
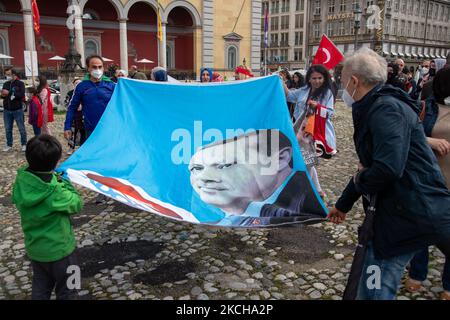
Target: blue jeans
x: 36, y: 130
x: 8, y: 118
x: 381, y: 277
x: 419, y: 269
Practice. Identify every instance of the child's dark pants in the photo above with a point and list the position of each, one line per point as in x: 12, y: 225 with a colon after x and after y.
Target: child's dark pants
x: 52, y: 275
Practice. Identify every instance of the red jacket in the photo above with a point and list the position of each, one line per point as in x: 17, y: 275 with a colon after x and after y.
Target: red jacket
x: 50, y: 106
x: 36, y: 117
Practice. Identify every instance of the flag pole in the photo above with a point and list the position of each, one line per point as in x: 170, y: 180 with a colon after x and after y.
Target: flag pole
x: 266, y: 37
x: 265, y: 61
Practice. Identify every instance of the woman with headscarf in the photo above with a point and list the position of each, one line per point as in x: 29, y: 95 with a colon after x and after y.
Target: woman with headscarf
x: 437, y: 128
x: 206, y: 75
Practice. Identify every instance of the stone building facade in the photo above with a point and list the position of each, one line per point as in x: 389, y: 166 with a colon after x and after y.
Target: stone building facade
x: 196, y: 33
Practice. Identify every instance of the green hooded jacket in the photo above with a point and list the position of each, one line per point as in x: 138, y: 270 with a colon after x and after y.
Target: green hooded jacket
x: 44, y: 211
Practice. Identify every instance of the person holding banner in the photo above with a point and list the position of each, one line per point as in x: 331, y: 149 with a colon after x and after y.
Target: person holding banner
x: 206, y: 75
x: 94, y: 93
x: 317, y: 94
x: 314, y: 103
x: 399, y: 170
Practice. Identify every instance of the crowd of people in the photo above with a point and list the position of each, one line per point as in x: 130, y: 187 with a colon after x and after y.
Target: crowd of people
x: 402, y: 133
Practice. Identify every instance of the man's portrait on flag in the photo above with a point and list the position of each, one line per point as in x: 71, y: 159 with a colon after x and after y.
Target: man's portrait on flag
x: 252, y: 175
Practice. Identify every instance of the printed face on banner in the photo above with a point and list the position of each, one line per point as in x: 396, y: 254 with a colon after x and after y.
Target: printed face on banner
x: 233, y: 173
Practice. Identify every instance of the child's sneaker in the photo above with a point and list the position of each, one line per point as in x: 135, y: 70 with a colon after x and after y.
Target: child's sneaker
x: 24, y: 148
x: 6, y: 149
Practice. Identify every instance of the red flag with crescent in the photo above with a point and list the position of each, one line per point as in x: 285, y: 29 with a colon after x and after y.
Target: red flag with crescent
x: 36, y: 17
x: 328, y: 54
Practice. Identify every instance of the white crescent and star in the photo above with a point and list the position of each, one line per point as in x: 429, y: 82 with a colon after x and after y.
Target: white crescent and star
x: 327, y: 53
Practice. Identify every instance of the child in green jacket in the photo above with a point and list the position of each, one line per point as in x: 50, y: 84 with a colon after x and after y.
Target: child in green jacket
x: 45, y: 202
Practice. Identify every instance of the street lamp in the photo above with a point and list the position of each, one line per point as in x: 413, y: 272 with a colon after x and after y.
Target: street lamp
x: 72, y: 58
x: 357, y: 14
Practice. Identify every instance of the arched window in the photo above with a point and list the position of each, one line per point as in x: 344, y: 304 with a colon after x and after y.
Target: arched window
x: 232, y: 58
x: 90, y: 48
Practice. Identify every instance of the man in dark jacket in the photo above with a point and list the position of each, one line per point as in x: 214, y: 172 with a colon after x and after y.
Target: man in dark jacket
x: 397, y: 165
x: 13, y: 93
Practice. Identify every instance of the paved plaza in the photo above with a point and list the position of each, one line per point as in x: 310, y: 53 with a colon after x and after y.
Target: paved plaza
x: 125, y: 253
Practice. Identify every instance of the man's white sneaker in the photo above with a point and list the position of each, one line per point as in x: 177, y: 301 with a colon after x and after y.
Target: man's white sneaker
x: 24, y: 148
x: 6, y: 149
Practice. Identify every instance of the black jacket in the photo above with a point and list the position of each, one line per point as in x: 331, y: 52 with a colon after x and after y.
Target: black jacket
x: 297, y: 203
x: 413, y: 208
x: 296, y: 200
x: 16, y: 89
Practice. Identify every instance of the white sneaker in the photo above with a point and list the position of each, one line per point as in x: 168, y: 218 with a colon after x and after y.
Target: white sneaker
x: 69, y: 152
x: 24, y: 148
x: 6, y: 149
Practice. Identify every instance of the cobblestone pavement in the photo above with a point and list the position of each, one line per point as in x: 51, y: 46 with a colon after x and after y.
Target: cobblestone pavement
x: 128, y: 254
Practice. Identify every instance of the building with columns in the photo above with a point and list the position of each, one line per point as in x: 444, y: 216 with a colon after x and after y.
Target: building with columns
x: 196, y: 33
x: 410, y: 29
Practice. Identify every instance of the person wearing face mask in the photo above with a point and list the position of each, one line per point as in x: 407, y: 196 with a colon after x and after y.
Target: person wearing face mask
x: 422, y: 70
x: 13, y: 92
x: 94, y: 93
x: 398, y: 169
x: 427, y: 84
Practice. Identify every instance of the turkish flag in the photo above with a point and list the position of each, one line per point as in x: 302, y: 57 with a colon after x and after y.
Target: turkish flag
x: 328, y: 54
x: 36, y: 17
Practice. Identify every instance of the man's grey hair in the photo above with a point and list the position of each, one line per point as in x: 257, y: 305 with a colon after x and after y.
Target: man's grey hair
x: 369, y: 67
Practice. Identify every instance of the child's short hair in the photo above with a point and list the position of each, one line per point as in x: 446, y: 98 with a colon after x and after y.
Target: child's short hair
x: 43, y: 153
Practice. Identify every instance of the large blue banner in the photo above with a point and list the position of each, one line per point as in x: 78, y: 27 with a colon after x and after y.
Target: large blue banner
x: 221, y: 154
